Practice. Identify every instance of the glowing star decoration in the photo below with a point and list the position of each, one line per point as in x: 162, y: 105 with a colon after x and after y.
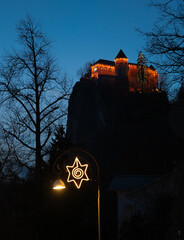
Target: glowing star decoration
x: 77, y: 173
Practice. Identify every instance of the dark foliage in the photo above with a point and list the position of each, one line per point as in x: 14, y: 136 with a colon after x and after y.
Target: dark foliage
x: 70, y: 214
x: 59, y: 144
x: 152, y: 226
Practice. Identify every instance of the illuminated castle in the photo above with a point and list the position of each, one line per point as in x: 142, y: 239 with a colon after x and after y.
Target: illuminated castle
x: 128, y: 77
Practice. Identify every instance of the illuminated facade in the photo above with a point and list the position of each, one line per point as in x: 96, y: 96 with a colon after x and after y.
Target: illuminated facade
x: 126, y: 74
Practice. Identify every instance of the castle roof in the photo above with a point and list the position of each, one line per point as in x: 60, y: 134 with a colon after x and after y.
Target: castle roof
x: 121, y: 55
x: 151, y: 66
x: 112, y: 63
x: 105, y: 62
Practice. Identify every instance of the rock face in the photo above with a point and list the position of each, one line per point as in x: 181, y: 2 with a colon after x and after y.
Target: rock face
x: 126, y: 134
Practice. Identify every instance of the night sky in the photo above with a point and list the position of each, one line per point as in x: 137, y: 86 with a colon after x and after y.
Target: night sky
x: 82, y: 30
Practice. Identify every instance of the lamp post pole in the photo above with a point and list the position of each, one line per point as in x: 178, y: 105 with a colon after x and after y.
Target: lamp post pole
x: 98, y: 179
x: 99, y: 229
x: 98, y: 183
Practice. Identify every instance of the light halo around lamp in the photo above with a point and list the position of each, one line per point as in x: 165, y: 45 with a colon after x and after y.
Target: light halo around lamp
x: 58, y: 185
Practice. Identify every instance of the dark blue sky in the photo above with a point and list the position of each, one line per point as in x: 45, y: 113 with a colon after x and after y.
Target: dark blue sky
x: 82, y: 30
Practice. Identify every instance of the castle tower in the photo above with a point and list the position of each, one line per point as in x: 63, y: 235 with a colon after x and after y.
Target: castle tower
x: 121, y: 72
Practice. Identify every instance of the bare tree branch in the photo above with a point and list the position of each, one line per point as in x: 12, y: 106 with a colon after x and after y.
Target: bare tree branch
x: 54, y: 120
x: 165, y: 42
x: 28, y: 78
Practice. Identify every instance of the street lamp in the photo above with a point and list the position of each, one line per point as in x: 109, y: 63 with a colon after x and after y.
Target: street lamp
x: 77, y: 173
x: 59, y: 184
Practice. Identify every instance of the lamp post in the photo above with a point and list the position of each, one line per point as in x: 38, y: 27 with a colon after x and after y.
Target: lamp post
x: 78, y: 173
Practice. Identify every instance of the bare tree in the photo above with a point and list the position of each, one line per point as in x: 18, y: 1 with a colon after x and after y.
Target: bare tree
x: 11, y: 165
x: 32, y: 94
x: 141, y: 70
x: 165, y: 42
x: 85, y: 71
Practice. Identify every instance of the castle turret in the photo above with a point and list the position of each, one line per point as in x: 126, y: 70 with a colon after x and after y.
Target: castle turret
x: 121, y: 72
x: 125, y: 77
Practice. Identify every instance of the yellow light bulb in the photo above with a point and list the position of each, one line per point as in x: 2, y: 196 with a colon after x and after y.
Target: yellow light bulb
x: 58, y: 185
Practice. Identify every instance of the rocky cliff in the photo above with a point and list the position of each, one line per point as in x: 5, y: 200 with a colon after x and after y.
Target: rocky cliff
x: 127, y: 134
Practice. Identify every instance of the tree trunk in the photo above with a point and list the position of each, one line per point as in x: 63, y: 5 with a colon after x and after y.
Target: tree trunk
x: 38, y: 133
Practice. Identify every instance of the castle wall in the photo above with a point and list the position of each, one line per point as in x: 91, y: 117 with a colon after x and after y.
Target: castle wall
x: 101, y: 69
x: 132, y: 76
x: 122, y: 129
x: 121, y: 67
x: 127, y: 72
x: 152, y: 75
x: 134, y: 84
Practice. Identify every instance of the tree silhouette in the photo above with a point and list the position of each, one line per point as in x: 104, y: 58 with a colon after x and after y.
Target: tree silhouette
x: 32, y: 93
x: 141, y: 69
x: 165, y: 42
x: 85, y: 71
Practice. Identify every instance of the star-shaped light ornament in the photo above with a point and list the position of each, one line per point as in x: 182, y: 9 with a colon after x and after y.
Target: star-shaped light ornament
x: 77, y: 173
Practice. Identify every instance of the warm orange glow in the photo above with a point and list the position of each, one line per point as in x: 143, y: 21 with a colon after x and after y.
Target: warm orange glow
x: 135, y: 85
x: 132, y: 77
x: 121, y: 60
x: 77, y: 173
x: 151, y: 83
x: 102, y: 69
x: 95, y: 69
x: 152, y: 75
x: 58, y: 185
